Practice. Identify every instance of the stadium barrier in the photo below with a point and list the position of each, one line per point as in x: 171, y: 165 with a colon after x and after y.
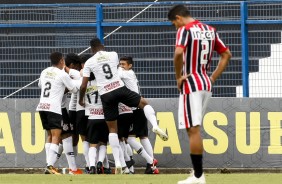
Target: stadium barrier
x: 237, y: 133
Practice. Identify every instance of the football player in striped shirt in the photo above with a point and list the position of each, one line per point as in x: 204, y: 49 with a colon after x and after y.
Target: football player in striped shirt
x: 195, y: 43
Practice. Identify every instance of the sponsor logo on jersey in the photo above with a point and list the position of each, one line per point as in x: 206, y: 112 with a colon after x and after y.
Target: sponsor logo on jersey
x: 96, y: 111
x: 112, y: 85
x: 198, y: 34
x: 44, y: 106
x: 124, y: 108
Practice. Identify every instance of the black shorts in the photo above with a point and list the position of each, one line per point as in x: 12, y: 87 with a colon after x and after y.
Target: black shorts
x: 140, y: 124
x: 67, y: 124
x: 110, y: 101
x: 97, y: 131
x: 51, y: 120
x: 81, y: 122
x: 124, y: 122
x: 72, y: 117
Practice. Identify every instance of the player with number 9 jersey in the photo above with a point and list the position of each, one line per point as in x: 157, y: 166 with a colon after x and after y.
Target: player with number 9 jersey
x: 104, y: 66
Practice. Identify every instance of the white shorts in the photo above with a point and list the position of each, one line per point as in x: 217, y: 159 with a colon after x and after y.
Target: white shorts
x: 192, y: 108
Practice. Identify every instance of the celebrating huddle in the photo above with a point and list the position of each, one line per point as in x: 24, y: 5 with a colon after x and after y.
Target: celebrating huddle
x: 105, y: 107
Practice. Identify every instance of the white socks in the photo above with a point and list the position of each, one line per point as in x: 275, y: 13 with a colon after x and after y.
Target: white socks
x: 67, y: 144
x: 85, y: 152
x: 102, y: 153
x: 139, y: 149
x: 52, y: 154
x: 92, y: 156
x: 150, y: 115
x: 60, y: 151
x: 129, y: 150
x: 114, y: 143
x: 124, y: 149
x: 106, y: 162
x: 147, y: 146
x: 47, y: 147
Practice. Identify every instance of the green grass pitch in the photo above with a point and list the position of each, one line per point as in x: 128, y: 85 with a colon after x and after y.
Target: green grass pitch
x: 138, y: 179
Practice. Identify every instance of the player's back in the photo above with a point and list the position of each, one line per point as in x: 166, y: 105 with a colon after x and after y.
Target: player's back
x: 104, y: 66
x: 200, y: 45
x: 199, y: 41
x: 52, y: 89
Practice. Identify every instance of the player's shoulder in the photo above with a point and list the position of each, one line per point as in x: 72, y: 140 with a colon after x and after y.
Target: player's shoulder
x: 113, y: 53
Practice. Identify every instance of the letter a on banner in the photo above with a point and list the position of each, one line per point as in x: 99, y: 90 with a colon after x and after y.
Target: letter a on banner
x: 6, y: 136
x: 27, y: 136
x: 166, y: 122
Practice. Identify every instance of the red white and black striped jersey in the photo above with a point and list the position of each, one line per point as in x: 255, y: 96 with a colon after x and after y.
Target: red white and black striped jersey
x: 198, y: 41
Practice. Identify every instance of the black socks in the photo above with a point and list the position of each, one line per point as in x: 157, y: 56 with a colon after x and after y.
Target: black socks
x: 197, y: 161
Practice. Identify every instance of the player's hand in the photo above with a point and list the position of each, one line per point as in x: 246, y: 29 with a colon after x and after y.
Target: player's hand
x: 180, y: 82
x: 81, y: 102
x: 212, y: 80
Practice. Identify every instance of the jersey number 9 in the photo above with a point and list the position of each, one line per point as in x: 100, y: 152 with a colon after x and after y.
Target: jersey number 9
x: 107, y: 70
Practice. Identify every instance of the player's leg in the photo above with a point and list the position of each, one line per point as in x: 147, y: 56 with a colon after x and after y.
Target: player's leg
x: 197, y: 103
x: 151, y: 162
x: 133, y: 99
x: 142, y: 131
x: 106, y: 164
x: 53, y: 151
x: 151, y: 116
x: 92, y: 137
x: 130, y: 153
x: 82, y: 120
x: 101, y: 157
x: 67, y: 141
x: 114, y: 143
x: 110, y: 108
x: 124, y: 121
x: 55, y: 126
x: 75, y: 136
x: 45, y: 125
x: 48, y: 143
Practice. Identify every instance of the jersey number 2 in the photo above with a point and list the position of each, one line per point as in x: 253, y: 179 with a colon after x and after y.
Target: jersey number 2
x: 204, y: 52
x: 47, y: 88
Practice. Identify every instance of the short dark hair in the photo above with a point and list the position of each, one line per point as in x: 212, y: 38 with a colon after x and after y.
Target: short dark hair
x: 85, y: 57
x: 72, y: 58
x: 180, y: 10
x: 55, y: 57
x: 95, y: 42
x: 128, y: 59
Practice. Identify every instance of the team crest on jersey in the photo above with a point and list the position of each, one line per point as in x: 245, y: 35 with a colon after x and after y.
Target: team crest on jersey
x: 102, y: 58
x: 50, y: 75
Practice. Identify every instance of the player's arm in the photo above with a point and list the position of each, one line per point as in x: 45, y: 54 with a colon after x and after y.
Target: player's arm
x: 223, y: 62
x: 82, y: 91
x: 39, y: 83
x: 225, y: 56
x: 83, y: 86
x: 68, y: 82
x: 178, y: 64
